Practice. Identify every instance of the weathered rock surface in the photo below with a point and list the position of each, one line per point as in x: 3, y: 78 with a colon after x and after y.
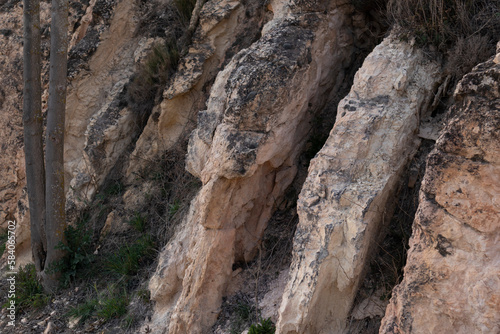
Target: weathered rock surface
x: 452, y: 277
x: 244, y: 150
x: 98, y: 126
x: 224, y: 25
x: 346, y: 197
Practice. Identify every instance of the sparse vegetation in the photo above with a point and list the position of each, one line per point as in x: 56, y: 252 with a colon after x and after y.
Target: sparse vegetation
x: 184, y: 9
x: 443, y: 22
x: 79, y: 252
x: 266, y: 326
x: 465, y: 31
x: 153, y: 74
x: 29, y: 290
x: 129, y: 258
x: 106, y: 305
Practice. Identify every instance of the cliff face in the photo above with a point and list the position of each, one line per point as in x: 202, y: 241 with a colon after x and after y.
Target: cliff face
x: 345, y: 200
x: 256, y: 87
x: 451, y: 280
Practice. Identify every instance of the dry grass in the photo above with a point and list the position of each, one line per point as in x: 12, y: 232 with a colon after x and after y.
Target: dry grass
x: 443, y: 22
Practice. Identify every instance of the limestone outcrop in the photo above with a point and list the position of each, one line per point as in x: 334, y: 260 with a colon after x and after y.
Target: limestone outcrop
x: 225, y: 27
x: 452, y: 277
x: 244, y: 151
x: 99, y: 127
x: 346, y: 198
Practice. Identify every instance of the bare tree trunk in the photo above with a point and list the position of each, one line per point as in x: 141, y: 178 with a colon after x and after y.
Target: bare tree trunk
x: 55, y: 197
x: 33, y: 130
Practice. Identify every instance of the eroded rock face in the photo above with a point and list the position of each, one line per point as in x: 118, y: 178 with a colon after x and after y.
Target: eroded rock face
x: 98, y: 126
x: 346, y: 197
x: 244, y: 150
x: 224, y: 25
x: 452, y: 277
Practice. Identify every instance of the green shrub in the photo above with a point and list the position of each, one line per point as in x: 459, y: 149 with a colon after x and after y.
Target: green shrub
x: 129, y: 258
x: 85, y: 310
x: 138, y: 222
x: 266, y: 326
x: 106, y: 305
x: 112, y: 305
x: 79, y: 251
x: 29, y: 291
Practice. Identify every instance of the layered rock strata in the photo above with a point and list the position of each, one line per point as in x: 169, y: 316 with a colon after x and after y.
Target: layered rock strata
x: 346, y: 198
x: 452, y: 277
x: 244, y: 151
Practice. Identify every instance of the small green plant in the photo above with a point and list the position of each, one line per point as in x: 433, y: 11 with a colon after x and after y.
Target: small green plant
x: 266, y: 326
x: 112, y: 305
x: 128, y: 259
x: 78, y: 249
x: 138, y: 222
x: 108, y: 304
x: 85, y: 310
x: 244, y: 314
x: 29, y: 291
x: 173, y: 208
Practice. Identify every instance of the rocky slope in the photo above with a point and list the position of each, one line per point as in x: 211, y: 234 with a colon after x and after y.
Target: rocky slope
x: 451, y: 281
x: 250, y: 101
x: 346, y: 199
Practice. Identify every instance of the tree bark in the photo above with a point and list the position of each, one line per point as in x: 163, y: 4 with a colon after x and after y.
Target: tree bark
x: 55, y: 197
x: 33, y: 130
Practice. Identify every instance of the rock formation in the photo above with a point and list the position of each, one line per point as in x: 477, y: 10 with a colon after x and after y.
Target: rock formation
x: 345, y: 200
x: 248, y: 91
x: 244, y: 151
x: 452, y: 277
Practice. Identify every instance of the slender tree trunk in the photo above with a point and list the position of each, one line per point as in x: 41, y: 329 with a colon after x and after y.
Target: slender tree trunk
x: 33, y: 130
x: 55, y: 197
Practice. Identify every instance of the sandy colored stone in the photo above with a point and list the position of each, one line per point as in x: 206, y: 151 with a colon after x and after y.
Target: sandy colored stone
x: 347, y: 196
x: 97, y: 128
x: 221, y: 21
x: 244, y: 151
x: 452, y: 277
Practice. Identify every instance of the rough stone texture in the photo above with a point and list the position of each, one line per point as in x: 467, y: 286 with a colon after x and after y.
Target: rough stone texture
x: 346, y: 197
x: 222, y: 23
x: 98, y: 126
x: 452, y: 277
x: 244, y: 151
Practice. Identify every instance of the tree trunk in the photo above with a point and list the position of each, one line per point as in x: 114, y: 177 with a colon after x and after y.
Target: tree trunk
x: 55, y: 197
x: 33, y: 130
